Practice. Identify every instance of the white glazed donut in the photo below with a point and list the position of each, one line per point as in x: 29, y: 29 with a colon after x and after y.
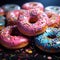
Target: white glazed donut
x: 9, y: 7
x: 54, y: 9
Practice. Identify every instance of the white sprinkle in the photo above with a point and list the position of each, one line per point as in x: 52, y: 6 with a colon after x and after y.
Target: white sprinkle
x: 58, y: 42
x: 49, y: 58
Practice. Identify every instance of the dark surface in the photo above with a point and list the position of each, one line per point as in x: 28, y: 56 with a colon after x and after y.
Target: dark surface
x: 21, y: 54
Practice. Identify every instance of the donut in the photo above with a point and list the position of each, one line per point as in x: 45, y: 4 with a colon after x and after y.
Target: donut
x: 12, y: 17
x: 1, y: 12
x: 54, y: 20
x: 2, y: 22
x: 49, y: 41
x: 32, y: 22
x: 33, y: 5
x: 49, y: 14
x: 54, y: 9
x: 12, y: 39
x: 10, y: 7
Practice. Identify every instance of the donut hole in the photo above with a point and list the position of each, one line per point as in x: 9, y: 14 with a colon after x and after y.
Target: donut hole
x: 49, y: 16
x: 52, y: 36
x: 15, y: 32
x: 34, y: 4
x: 33, y: 19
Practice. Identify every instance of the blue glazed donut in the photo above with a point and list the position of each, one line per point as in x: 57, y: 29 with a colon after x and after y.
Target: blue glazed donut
x: 49, y: 41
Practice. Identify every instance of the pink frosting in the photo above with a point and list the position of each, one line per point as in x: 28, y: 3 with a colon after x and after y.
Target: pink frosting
x: 10, y: 40
x: 33, y: 5
x: 28, y: 28
x: 12, y: 15
x: 53, y: 18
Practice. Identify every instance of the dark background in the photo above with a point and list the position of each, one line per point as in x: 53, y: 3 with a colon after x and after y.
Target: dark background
x: 20, y: 2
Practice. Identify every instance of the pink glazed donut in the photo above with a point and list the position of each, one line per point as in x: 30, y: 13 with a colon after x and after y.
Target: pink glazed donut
x: 12, y: 17
x: 54, y: 19
x: 12, y: 39
x: 32, y: 22
x: 33, y: 5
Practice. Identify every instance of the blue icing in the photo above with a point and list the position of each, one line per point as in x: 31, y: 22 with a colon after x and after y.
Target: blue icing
x: 56, y: 46
x: 49, y: 34
x: 38, y: 40
x: 2, y: 20
x: 51, y: 31
x: 43, y: 41
x: 49, y: 42
x: 58, y: 34
x: 2, y: 23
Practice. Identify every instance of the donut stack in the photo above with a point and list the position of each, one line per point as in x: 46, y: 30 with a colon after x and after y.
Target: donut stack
x: 31, y: 20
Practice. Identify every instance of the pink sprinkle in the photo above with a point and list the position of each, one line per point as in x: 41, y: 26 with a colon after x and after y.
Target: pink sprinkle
x: 35, y: 55
x: 49, y: 58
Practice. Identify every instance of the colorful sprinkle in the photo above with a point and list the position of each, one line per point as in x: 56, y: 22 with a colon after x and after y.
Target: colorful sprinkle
x: 29, y: 51
x: 49, y: 58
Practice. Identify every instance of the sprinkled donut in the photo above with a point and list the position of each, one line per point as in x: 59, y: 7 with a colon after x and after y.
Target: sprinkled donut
x: 33, y: 5
x: 12, y: 17
x: 32, y: 22
x: 12, y: 39
x: 54, y: 9
x: 54, y: 20
x: 1, y: 12
x: 10, y: 7
x: 49, y: 41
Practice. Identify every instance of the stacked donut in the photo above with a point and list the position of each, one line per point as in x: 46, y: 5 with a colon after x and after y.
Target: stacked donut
x: 49, y: 41
x: 10, y: 37
x: 31, y: 20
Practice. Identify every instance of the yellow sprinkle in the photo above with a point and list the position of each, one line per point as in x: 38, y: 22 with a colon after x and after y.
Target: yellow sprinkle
x: 29, y: 51
x: 3, y: 59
